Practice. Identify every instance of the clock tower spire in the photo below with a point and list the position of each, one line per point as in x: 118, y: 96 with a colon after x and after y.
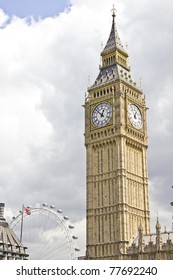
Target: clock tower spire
x: 116, y: 147
x: 114, y: 51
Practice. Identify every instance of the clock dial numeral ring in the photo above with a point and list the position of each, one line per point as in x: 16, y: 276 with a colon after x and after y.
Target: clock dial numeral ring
x: 135, y: 116
x: 101, y: 114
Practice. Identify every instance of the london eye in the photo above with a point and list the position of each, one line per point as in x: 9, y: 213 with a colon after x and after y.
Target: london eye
x: 46, y: 232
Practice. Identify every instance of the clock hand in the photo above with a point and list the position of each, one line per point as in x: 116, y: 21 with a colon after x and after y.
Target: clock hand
x: 98, y: 112
x: 101, y: 114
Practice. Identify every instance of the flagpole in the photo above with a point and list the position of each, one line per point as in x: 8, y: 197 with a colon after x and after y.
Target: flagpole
x: 21, y: 228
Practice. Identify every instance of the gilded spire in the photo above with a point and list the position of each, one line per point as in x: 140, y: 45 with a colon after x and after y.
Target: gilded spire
x: 114, y: 41
x: 114, y: 58
x: 113, y: 11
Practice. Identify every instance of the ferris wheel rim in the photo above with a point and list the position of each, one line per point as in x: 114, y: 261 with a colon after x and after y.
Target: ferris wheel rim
x: 57, y: 216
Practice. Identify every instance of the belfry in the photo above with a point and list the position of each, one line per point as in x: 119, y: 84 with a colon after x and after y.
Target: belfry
x: 117, y: 207
x: 116, y: 147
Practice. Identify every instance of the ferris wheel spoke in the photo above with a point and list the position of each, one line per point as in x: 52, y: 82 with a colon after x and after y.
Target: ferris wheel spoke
x: 46, y: 233
x: 52, y: 251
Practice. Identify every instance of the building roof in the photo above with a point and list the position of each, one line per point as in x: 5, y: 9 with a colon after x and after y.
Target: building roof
x: 114, y: 41
x: 151, y: 238
x: 112, y: 73
x: 114, y: 70
x: 10, y: 245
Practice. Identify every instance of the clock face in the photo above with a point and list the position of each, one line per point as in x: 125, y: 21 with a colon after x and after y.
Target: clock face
x: 102, y: 114
x: 135, y: 116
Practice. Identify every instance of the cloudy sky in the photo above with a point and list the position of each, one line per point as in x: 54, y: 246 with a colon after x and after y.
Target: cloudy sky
x: 48, y: 49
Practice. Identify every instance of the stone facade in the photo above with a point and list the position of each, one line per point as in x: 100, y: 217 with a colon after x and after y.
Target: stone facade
x: 158, y: 246
x: 116, y: 157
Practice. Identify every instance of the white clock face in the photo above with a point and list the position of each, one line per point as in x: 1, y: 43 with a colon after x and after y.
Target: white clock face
x: 135, y: 116
x: 102, y: 114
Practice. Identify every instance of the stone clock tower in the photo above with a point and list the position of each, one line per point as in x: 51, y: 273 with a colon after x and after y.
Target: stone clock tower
x: 116, y: 146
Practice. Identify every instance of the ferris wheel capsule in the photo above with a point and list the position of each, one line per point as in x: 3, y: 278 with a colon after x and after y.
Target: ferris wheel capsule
x: 66, y: 218
x: 74, y: 237
x: 46, y: 233
x: 71, y: 227
x: 77, y: 249
x: 45, y: 205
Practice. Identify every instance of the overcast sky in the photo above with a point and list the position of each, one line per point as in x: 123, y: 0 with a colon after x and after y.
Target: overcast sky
x: 47, y: 52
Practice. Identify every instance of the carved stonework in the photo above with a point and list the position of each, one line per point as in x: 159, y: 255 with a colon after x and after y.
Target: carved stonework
x: 116, y: 146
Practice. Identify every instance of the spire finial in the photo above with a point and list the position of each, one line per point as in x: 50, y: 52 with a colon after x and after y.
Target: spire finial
x: 113, y: 11
x: 157, y: 216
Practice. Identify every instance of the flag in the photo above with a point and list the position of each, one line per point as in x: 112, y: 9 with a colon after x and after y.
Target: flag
x: 27, y: 211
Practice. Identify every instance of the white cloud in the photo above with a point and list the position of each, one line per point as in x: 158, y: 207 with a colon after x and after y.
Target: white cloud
x: 44, y: 72
x: 3, y: 18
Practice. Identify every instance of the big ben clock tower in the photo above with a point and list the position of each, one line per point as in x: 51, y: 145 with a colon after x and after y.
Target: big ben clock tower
x: 116, y: 165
